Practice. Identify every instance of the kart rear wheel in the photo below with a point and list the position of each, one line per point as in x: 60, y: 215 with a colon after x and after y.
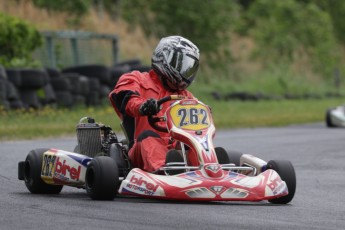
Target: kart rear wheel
x: 222, y: 155
x: 32, y: 174
x: 286, y: 172
x: 102, y: 178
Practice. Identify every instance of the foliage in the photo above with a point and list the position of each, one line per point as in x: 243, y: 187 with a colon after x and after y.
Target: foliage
x: 18, y: 39
x: 286, y: 30
x: 206, y: 23
x: 76, y: 8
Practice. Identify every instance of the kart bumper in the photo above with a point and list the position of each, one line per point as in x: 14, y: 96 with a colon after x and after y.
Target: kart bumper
x: 196, y: 186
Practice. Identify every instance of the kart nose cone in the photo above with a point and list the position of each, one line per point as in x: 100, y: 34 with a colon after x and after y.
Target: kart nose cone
x: 213, y: 170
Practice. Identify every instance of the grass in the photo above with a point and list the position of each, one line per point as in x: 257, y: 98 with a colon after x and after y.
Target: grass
x: 49, y: 122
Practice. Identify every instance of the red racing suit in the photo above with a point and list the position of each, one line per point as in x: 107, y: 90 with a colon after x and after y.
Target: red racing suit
x: 130, y: 92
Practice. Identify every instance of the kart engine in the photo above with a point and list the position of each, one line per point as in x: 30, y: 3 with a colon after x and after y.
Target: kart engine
x: 93, y: 138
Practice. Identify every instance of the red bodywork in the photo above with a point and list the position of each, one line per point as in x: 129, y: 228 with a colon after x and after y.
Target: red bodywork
x: 190, y: 122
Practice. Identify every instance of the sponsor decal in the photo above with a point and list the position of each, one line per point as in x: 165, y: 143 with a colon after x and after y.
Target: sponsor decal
x: 275, y: 185
x: 141, y: 185
x: 63, y: 169
x: 48, y: 165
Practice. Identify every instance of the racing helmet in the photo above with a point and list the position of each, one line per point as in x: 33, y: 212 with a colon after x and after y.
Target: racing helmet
x: 176, y: 61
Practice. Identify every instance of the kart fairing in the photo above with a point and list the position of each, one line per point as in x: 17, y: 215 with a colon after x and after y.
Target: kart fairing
x: 198, y: 186
x: 337, y: 116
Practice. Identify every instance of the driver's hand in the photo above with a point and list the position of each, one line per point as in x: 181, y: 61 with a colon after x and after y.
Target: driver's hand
x: 149, y: 107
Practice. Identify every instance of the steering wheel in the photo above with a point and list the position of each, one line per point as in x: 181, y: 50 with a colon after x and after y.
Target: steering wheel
x: 153, y: 120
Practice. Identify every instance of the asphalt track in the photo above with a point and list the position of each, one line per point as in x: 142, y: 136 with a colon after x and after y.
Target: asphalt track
x: 317, y: 153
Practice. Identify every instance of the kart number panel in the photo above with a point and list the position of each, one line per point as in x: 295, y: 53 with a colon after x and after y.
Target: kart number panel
x: 190, y: 116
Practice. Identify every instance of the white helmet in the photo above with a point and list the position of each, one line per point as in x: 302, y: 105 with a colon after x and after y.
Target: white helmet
x: 176, y: 60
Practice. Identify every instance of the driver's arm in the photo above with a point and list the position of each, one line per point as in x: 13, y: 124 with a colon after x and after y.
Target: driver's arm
x: 125, y: 97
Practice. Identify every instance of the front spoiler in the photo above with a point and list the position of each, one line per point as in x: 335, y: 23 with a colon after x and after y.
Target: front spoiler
x: 197, y: 186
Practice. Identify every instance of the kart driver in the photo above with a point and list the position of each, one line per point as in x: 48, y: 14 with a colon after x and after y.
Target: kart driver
x: 175, y: 63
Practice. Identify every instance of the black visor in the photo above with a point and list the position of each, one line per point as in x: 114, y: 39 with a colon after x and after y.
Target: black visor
x: 184, y: 63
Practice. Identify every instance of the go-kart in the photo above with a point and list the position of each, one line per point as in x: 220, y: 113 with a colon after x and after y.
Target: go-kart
x: 335, y: 117
x: 100, y: 164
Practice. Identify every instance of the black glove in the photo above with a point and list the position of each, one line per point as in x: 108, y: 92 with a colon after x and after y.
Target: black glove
x: 149, y: 107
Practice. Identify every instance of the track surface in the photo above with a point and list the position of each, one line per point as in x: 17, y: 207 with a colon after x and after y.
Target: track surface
x: 317, y: 153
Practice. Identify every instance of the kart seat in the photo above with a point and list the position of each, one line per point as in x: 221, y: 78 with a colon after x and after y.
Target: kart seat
x: 128, y: 128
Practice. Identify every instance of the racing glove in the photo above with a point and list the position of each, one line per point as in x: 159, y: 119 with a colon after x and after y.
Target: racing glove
x: 149, y: 107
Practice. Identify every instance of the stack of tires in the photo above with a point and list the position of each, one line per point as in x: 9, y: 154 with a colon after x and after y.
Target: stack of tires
x: 62, y: 88
x: 25, y: 88
x: 99, y: 77
x: 87, y: 85
x: 14, y: 81
x: 124, y: 67
x: 32, y: 84
x: 3, y: 89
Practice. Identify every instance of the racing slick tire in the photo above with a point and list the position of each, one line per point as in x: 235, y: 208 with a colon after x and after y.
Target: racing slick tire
x: 32, y: 174
x: 329, y: 119
x: 286, y: 172
x: 234, y: 157
x: 102, y: 178
x: 222, y: 155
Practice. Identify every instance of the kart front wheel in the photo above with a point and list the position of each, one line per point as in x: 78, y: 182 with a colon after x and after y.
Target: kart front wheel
x: 32, y: 174
x: 286, y: 172
x: 102, y: 178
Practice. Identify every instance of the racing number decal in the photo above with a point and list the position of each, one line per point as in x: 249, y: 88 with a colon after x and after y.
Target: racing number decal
x: 192, y: 116
x: 48, y: 165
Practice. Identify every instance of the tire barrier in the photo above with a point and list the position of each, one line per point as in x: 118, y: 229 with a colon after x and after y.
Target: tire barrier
x: 248, y: 96
x: 83, y: 85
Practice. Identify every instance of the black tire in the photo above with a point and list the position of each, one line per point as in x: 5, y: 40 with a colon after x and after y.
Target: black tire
x: 11, y: 91
x: 287, y: 173
x: 32, y: 174
x: 222, y: 155
x: 13, y: 75
x: 100, y: 72
x: 33, y: 78
x: 117, y: 72
x: 61, y: 84
x: 130, y: 62
x: 74, y: 80
x: 79, y: 100
x: 328, y: 119
x: 141, y: 68
x: 64, y: 99
x: 84, y: 85
x: 16, y: 104
x: 94, y: 85
x: 93, y: 99
x: 102, y: 178
x: 30, y: 99
x: 104, y: 91
x: 121, y: 160
x: 3, y: 74
x: 234, y: 157
x: 53, y: 73
x: 49, y: 94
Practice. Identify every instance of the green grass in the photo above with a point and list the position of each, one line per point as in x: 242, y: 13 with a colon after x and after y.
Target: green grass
x: 48, y: 122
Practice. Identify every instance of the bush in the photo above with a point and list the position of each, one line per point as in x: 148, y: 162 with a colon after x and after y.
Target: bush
x: 18, y: 40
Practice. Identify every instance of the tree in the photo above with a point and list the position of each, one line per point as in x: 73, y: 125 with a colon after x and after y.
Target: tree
x: 18, y: 40
x: 206, y: 23
x: 281, y: 29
